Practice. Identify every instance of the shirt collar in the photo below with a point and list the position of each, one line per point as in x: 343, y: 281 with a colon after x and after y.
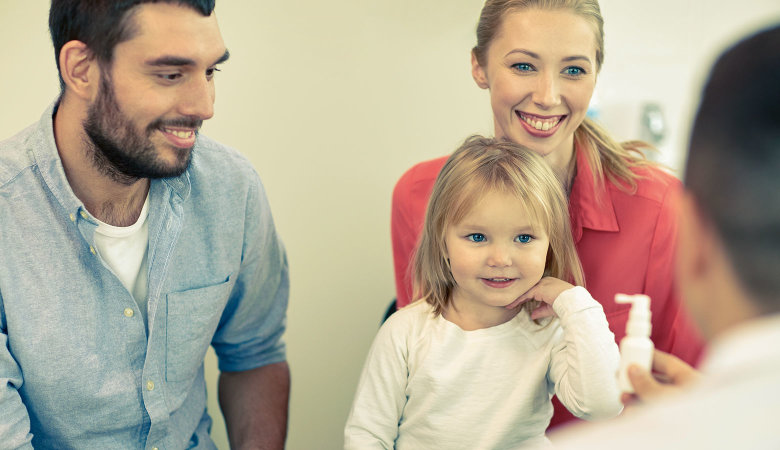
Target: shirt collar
x: 49, y: 163
x: 590, y: 206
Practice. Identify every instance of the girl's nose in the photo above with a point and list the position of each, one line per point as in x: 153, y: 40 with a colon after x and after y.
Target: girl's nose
x: 499, y: 256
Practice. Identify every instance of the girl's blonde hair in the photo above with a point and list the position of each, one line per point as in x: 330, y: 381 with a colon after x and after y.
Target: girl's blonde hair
x: 479, y: 166
x: 605, y: 155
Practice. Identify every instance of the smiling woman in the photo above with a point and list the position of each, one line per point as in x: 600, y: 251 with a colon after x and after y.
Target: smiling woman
x: 539, y: 60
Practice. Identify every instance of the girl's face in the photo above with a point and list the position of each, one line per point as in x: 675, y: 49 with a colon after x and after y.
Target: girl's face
x: 540, y: 69
x: 495, y: 253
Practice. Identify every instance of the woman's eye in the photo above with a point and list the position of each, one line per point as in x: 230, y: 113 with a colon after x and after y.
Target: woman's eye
x: 574, y: 71
x: 476, y: 237
x: 524, y: 238
x: 522, y: 67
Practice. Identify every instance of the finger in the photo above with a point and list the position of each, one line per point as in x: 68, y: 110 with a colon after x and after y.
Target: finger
x: 673, y: 368
x: 542, y: 311
x: 628, y: 399
x: 527, y: 295
x: 645, y: 386
x: 516, y: 303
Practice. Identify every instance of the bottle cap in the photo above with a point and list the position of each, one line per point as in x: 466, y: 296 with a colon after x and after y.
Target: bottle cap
x: 639, y: 316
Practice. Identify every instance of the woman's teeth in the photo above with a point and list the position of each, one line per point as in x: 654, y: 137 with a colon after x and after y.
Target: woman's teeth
x: 539, y: 124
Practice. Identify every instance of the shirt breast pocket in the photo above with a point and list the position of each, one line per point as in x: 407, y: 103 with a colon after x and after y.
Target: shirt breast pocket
x: 193, y: 317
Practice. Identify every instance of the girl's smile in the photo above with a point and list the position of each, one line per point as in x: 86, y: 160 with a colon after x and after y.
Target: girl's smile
x: 499, y: 283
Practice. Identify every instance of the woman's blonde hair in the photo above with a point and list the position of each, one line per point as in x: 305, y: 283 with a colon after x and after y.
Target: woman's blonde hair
x: 605, y: 156
x: 479, y: 166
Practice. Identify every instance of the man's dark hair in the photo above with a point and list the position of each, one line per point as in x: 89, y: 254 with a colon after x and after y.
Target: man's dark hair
x: 733, y: 167
x: 101, y: 24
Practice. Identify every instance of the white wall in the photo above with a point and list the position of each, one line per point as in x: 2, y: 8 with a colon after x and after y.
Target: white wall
x: 332, y: 101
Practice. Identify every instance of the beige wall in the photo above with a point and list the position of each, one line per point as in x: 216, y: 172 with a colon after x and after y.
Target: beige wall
x: 332, y: 101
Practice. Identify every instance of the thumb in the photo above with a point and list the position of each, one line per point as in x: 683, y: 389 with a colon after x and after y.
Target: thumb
x: 645, y: 385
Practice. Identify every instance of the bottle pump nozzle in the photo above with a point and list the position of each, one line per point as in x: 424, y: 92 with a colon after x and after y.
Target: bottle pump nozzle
x: 639, y: 316
x: 636, y: 347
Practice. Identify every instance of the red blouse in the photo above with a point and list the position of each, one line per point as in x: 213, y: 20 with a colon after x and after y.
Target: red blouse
x: 626, y: 244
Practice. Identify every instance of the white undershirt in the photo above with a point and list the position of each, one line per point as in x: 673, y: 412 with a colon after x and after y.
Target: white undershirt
x: 124, y: 250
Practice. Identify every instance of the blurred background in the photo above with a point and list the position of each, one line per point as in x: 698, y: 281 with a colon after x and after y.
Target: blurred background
x: 333, y: 101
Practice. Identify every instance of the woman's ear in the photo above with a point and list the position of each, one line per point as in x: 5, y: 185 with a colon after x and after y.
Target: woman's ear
x: 478, y: 73
x: 80, y: 70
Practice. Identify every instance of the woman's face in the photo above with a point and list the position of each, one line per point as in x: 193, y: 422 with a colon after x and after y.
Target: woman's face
x: 540, y: 69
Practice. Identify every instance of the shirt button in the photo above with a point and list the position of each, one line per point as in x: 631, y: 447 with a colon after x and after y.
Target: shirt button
x: 150, y: 385
x: 92, y: 250
x: 129, y: 312
x: 84, y: 215
x: 72, y: 217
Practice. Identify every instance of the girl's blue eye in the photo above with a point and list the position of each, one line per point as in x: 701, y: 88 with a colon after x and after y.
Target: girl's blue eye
x: 574, y: 71
x: 476, y: 237
x: 524, y: 238
x: 522, y: 67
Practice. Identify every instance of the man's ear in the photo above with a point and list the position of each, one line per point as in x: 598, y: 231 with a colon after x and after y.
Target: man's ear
x: 478, y: 73
x: 80, y: 70
x: 696, y: 242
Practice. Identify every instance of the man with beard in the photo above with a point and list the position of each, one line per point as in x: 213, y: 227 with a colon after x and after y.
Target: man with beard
x: 130, y: 244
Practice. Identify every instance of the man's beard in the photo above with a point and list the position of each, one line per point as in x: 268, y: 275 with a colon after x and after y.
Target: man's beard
x: 119, y: 151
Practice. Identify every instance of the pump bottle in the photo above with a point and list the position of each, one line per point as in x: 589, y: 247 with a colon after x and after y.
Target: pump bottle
x: 636, y: 347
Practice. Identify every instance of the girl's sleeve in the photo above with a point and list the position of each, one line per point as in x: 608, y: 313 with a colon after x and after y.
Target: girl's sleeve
x: 381, y: 392
x: 585, y: 358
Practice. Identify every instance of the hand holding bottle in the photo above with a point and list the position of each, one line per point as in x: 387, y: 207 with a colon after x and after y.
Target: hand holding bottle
x: 670, y: 375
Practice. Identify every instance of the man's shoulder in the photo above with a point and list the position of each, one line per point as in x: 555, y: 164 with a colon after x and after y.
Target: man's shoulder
x: 14, y: 154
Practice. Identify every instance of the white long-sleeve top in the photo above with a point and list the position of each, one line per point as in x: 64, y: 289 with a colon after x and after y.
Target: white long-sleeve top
x: 429, y: 384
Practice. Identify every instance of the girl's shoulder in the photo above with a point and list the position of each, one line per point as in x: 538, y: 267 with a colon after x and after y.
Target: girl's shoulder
x: 409, y: 320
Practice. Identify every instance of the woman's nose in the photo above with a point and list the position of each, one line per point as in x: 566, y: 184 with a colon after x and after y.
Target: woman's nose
x: 547, y: 94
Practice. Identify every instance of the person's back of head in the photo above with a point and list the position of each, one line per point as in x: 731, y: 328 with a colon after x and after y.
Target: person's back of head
x: 733, y: 167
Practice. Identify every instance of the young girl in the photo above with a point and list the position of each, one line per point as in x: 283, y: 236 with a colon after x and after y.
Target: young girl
x: 458, y: 369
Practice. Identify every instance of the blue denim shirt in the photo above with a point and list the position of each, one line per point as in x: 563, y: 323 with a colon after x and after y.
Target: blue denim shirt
x: 77, y: 367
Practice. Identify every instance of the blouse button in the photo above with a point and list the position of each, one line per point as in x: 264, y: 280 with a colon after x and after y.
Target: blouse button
x: 150, y: 385
x: 129, y: 312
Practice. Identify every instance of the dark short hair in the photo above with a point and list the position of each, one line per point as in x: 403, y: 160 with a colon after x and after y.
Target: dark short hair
x: 101, y: 24
x: 733, y: 166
